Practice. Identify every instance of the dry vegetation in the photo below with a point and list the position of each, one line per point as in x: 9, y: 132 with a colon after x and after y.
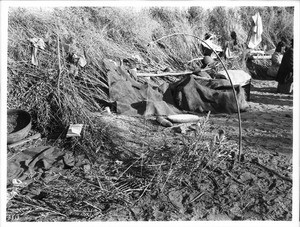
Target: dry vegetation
x: 129, y: 168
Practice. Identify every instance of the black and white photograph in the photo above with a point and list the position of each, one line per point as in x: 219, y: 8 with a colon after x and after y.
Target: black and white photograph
x: 121, y: 112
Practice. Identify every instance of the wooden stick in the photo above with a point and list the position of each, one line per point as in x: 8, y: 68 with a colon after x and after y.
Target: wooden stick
x: 257, y: 52
x: 171, y: 74
x: 200, y: 58
x: 234, y: 91
x: 256, y: 162
x: 261, y: 57
x: 36, y: 136
x: 59, y: 66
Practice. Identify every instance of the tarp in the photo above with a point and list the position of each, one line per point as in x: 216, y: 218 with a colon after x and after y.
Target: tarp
x: 192, y: 93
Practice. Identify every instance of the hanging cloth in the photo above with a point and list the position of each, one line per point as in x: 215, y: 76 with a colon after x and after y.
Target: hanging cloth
x: 257, y: 30
x: 36, y: 43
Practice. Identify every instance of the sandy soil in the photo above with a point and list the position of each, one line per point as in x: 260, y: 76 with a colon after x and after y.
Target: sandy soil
x: 267, y: 125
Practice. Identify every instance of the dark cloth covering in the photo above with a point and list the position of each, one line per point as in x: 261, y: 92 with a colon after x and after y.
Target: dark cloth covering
x: 285, y: 72
x: 190, y: 94
x: 35, y: 160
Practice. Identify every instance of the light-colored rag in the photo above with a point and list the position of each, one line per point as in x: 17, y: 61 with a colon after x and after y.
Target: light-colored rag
x: 209, y: 44
x: 257, y: 31
x: 36, y: 43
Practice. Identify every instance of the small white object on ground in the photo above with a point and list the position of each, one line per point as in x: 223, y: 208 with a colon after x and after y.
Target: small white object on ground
x: 183, y: 118
x: 164, y: 122
x: 74, y: 130
x: 107, y: 110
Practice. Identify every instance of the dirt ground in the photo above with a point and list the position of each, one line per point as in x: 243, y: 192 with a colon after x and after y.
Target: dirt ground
x: 268, y: 123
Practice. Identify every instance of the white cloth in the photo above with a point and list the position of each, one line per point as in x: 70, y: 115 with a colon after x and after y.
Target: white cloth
x: 256, y: 32
x: 215, y: 47
x: 238, y: 77
x: 36, y: 43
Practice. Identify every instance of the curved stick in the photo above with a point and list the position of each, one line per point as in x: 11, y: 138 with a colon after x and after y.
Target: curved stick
x: 234, y: 92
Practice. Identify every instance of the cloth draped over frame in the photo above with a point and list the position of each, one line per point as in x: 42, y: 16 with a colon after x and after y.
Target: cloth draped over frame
x: 190, y: 94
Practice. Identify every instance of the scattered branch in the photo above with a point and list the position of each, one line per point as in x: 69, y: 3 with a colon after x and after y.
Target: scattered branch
x: 256, y: 162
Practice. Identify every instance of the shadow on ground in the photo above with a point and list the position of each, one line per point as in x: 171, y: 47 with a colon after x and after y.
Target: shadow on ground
x: 264, y: 130
x: 272, y: 90
x: 272, y: 99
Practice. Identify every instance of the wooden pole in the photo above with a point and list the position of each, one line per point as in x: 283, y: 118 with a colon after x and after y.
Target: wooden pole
x: 170, y: 73
x: 59, y: 64
x: 21, y: 142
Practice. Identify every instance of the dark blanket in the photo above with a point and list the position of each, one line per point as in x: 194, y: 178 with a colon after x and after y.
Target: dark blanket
x: 32, y: 162
x: 192, y: 94
x: 197, y: 95
x: 285, y: 72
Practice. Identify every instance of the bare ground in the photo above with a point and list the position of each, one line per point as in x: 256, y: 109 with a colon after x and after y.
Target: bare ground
x: 267, y: 125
